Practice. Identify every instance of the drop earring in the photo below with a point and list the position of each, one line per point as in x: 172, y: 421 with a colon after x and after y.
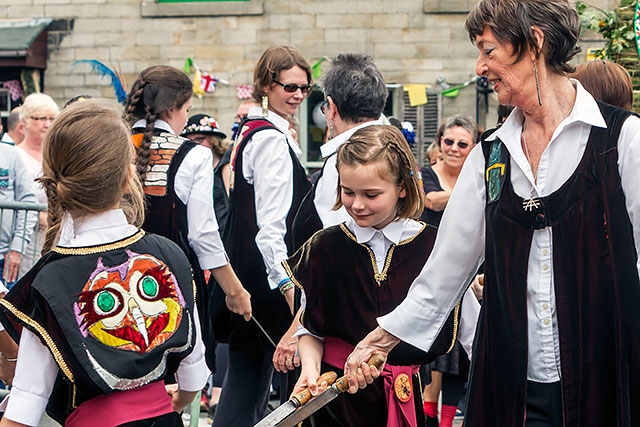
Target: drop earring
x: 265, y: 105
x: 535, y: 72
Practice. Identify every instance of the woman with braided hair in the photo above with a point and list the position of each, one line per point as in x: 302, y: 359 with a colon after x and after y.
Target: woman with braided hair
x: 177, y: 180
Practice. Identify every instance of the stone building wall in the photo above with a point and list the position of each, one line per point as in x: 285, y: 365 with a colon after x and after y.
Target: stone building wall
x: 412, y: 41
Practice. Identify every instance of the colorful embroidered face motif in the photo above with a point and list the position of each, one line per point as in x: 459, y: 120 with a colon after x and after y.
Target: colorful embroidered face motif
x: 134, y: 306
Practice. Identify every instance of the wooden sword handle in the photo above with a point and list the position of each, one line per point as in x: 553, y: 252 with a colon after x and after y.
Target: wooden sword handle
x: 305, y: 395
x: 342, y: 384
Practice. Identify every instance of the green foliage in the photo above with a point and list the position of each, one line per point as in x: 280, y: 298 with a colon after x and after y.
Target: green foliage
x: 615, y: 29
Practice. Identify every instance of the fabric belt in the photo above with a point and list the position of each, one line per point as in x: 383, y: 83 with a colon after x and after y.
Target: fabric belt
x: 122, y: 407
x: 401, y: 414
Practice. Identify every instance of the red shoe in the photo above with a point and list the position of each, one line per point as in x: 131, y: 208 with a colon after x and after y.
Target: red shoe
x: 204, y: 403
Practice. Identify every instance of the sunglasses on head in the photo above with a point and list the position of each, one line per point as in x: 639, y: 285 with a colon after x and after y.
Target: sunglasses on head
x: 291, y: 88
x: 461, y: 144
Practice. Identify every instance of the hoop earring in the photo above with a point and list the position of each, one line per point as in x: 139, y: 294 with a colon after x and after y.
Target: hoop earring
x: 265, y: 105
x: 535, y: 72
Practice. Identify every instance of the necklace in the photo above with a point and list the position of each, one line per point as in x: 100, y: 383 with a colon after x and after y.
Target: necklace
x: 531, y: 203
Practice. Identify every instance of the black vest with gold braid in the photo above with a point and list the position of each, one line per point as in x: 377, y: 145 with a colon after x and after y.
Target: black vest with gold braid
x: 114, y: 317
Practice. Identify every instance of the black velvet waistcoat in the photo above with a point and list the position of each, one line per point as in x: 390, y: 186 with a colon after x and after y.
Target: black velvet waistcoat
x: 269, y: 306
x: 597, y: 293
x: 346, y: 293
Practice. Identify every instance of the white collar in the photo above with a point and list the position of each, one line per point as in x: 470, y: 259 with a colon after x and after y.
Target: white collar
x: 74, y: 231
x: 158, y: 124
x: 392, y: 231
x: 585, y: 110
x: 280, y: 122
x: 332, y: 145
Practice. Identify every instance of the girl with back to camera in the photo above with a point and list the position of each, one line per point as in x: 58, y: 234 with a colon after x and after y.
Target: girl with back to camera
x: 358, y: 270
x: 177, y: 177
x: 108, y: 311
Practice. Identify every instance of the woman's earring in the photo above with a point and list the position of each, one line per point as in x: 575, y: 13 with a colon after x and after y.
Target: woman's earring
x: 535, y: 72
x: 265, y: 105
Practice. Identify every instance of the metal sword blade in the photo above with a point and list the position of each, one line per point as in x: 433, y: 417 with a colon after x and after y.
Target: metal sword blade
x: 279, y: 414
x: 316, y: 403
x: 263, y: 331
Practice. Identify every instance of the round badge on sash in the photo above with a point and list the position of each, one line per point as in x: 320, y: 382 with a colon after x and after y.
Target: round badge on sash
x: 403, y: 388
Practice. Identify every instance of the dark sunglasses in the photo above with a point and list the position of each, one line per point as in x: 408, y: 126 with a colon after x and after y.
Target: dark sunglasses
x: 461, y: 144
x: 291, y: 88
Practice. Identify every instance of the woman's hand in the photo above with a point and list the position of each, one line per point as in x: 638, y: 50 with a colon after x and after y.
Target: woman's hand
x: 179, y: 398
x: 240, y: 303
x: 358, y: 371
x: 285, y: 358
x: 237, y: 298
x: 477, y: 286
x: 11, y: 266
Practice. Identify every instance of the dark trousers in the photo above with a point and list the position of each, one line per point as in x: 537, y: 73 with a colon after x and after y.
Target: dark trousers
x: 245, y: 389
x: 544, y: 405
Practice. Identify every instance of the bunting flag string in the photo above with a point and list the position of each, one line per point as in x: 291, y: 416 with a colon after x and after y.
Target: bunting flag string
x: 204, y: 82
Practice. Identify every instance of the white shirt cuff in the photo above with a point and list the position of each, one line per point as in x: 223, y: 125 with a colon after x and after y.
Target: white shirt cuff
x: 411, y: 324
x: 24, y: 407
x: 209, y: 262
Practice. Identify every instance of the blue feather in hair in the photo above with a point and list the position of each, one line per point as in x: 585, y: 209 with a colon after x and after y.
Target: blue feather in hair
x: 104, y: 71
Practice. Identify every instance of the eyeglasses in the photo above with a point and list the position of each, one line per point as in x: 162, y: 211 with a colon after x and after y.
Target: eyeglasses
x: 42, y: 119
x: 461, y: 144
x: 291, y: 88
x: 323, y: 107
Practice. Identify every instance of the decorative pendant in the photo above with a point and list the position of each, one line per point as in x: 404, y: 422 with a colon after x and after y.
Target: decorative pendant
x: 530, y: 204
x: 403, y: 388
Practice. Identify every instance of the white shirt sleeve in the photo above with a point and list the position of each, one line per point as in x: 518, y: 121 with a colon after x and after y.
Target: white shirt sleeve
x: 455, y: 258
x: 192, y: 373
x: 194, y: 187
x: 326, y: 194
x: 469, y: 313
x: 267, y: 166
x: 36, y: 371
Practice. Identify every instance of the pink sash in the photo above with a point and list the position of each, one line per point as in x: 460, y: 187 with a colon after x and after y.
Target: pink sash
x: 401, y: 414
x: 122, y: 407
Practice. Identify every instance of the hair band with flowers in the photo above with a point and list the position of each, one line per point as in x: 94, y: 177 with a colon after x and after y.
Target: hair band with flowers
x: 207, y: 124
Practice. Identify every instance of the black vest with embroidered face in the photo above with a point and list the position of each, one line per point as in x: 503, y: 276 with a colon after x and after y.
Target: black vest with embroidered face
x: 114, y: 317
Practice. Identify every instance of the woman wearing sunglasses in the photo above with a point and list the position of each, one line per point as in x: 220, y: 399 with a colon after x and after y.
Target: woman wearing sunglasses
x: 267, y: 185
x: 458, y: 135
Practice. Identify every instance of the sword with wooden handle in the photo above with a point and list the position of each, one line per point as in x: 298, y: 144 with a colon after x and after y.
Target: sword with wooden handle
x: 296, y: 401
x: 339, y: 386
